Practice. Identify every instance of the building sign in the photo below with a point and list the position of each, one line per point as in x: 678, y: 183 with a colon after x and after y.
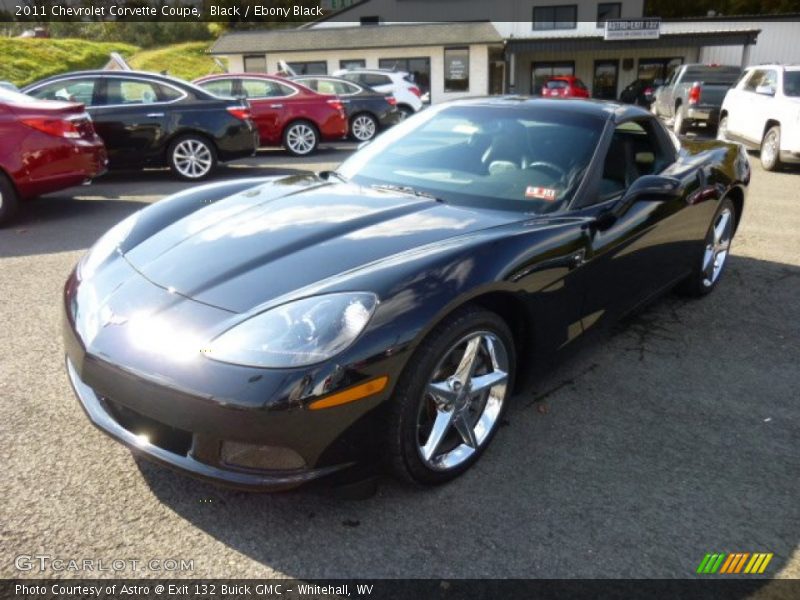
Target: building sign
x: 632, y: 29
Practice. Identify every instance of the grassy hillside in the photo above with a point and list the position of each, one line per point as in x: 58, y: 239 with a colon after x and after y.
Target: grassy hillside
x: 23, y: 61
x: 187, y: 61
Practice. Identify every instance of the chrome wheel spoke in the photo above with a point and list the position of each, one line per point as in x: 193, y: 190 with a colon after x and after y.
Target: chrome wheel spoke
x: 442, y: 394
x: 722, y: 227
x: 465, y: 429
x: 467, y: 365
x: 441, y: 426
x: 482, y: 383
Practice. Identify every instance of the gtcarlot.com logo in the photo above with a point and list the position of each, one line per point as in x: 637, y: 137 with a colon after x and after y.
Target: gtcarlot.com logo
x: 734, y: 563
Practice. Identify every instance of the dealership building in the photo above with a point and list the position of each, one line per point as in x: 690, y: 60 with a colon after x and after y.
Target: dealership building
x: 510, y: 46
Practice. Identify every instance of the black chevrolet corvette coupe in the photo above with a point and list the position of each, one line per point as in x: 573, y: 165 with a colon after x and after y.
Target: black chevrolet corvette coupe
x: 153, y: 120
x: 266, y: 333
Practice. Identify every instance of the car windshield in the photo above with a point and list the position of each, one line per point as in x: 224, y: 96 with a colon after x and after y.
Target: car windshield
x: 523, y: 158
x: 791, y: 83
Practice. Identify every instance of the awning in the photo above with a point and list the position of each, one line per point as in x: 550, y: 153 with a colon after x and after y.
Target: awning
x: 740, y: 37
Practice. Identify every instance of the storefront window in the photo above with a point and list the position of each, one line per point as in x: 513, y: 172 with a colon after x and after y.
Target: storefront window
x: 352, y: 63
x: 255, y: 64
x: 542, y: 71
x: 608, y: 10
x: 651, y: 69
x: 317, y: 67
x: 456, y: 69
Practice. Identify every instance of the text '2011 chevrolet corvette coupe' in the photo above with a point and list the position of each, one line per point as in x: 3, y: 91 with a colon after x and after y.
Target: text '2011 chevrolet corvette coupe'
x: 266, y: 333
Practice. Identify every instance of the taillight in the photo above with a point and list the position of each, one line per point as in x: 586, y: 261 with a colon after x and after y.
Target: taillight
x: 391, y: 100
x: 648, y: 91
x: 415, y: 90
x: 239, y: 112
x: 694, y: 94
x: 336, y: 104
x: 65, y: 128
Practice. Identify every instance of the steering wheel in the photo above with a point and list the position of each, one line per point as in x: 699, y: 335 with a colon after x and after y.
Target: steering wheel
x: 548, y: 166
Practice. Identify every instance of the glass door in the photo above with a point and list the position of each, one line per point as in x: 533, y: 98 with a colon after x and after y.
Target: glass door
x: 604, y: 84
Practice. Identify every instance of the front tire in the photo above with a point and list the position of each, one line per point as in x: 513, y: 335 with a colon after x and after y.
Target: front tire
x: 300, y: 138
x: 363, y: 127
x: 771, y: 149
x: 449, y: 402
x: 406, y: 110
x: 192, y: 157
x: 722, y: 129
x: 710, y: 262
x: 9, y: 201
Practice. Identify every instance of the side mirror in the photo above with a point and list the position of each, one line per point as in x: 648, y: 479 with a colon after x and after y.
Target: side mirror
x: 646, y: 188
x: 765, y: 90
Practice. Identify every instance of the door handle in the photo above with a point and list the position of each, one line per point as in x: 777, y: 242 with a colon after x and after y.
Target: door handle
x: 276, y: 105
x: 577, y: 259
x: 155, y: 115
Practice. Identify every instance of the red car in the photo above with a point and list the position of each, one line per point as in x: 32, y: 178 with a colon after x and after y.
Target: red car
x: 46, y: 146
x: 565, y: 87
x: 287, y: 114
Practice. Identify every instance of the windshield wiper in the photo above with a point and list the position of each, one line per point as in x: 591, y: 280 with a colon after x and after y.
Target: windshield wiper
x: 328, y: 174
x: 405, y: 189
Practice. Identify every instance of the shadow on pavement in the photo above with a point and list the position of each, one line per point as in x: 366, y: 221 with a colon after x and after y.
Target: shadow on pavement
x: 671, y: 437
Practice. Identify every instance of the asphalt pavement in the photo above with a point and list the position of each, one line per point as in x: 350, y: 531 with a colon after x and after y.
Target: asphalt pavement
x: 675, y: 436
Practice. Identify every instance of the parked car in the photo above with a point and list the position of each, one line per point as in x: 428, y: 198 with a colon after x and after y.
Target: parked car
x: 286, y: 113
x: 640, y: 92
x: 153, y: 120
x: 763, y: 112
x: 7, y: 85
x: 565, y: 87
x: 271, y: 333
x: 367, y: 111
x: 46, y: 147
x: 693, y: 95
x: 397, y: 83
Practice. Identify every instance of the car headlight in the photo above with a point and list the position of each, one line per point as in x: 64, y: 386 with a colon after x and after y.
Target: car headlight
x: 297, y: 334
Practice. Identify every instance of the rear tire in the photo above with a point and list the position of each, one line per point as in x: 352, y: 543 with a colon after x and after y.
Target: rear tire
x: 722, y: 129
x: 436, y: 392
x: 710, y: 262
x: 771, y: 149
x: 679, y: 125
x: 406, y: 110
x: 9, y: 200
x: 192, y: 157
x: 363, y: 127
x: 301, y: 138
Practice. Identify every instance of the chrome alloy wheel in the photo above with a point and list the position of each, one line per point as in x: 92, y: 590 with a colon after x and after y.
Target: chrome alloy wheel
x: 301, y: 138
x: 463, y: 401
x: 193, y: 158
x: 364, y: 128
x: 769, y: 149
x: 718, y: 246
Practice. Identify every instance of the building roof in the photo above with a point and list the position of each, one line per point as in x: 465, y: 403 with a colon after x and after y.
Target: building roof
x: 347, y: 38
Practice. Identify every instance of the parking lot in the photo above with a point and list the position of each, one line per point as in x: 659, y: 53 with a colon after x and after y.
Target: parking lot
x: 675, y: 436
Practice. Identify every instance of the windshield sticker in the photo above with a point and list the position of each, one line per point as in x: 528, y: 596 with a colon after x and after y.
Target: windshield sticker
x: 541, y: 193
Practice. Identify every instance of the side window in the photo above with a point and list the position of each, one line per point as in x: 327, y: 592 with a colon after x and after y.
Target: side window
x: 635, y: 151
x: 374, y: 79
x: 754, y: 80
x: 130, y: 91
x: 219, y: 87
x: 309, y: 83
x: 73, y: 90
x: 264, y: 88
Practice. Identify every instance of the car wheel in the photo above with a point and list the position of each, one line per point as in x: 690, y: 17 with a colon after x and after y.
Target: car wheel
x: 722, y: 129
x: 301, y: 138
x: 406, y: 110
x: 710, y: 263
x: 771, y: 149
x: 363, y: 127
x: 8, y: 200
x: 192, y: 157
x: 679, y: 125
x: 450, y: 400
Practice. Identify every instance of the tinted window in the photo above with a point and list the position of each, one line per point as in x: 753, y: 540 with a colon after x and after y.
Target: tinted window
x: 761, y: 77
x: 456, y: 69
x: 71, y: 90
x: 264, y: 88
x: 219, y: 87
x: 608, y: 10
x: 131, y: 91
x: 485, y: 156
x: 712, y: 75
x: 634, y: 152
x: 556, y: 84
x: 319, y: 67
x: 791, y: 83
x: 375, y: 79
x: 555, y: 17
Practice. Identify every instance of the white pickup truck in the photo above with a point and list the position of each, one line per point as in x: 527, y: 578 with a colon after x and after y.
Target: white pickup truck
x: 763, y: 112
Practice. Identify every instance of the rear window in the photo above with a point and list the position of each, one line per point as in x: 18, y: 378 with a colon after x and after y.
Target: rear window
x: 791, y: 83
x: 555, y: 85
x: 713, y: 75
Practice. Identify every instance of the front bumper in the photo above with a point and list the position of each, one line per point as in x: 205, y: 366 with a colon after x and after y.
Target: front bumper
x: 185, y: 415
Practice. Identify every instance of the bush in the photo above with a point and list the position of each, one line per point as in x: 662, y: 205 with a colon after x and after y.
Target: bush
x: 186, y: 61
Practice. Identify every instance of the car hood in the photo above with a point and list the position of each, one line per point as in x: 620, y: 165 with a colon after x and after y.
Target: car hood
x: 268, y: 241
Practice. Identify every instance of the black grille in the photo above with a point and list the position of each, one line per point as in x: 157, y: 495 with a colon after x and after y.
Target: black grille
x: 158, y: 434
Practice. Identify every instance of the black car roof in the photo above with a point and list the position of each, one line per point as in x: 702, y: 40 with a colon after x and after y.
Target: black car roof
x: 604, y: 109
x: 100, y: 72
